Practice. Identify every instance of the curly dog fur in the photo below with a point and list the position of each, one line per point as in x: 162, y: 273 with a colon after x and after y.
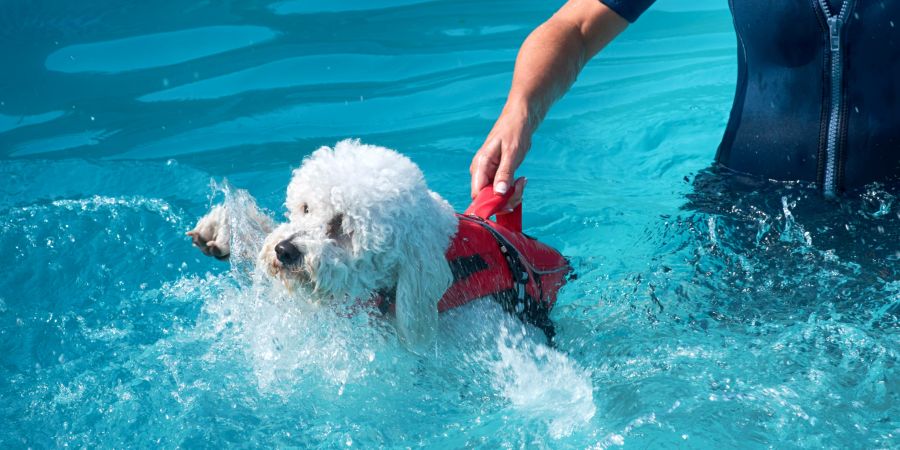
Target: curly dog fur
x: 361, y: 220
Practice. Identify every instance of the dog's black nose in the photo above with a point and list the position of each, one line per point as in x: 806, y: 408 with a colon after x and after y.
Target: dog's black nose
x: 288, y: 253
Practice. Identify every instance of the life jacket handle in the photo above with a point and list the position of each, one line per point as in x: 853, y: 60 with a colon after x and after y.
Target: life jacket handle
x: 488, y: 203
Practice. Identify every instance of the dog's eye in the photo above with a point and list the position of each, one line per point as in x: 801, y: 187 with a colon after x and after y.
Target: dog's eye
x: 333, y: 229
x: 305, y: 208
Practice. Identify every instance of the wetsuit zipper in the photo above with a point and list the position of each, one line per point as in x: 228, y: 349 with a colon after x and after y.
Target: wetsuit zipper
x: 835, y: 52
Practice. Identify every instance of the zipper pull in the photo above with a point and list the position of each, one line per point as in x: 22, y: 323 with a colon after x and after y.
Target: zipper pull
x: 834, y: 32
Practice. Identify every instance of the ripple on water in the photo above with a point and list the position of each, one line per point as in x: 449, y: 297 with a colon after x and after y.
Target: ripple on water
x: 325, y: 70
x: 8, y: 123
x: 63, y: 142
x: 304, y: 7
x: 155, y: 50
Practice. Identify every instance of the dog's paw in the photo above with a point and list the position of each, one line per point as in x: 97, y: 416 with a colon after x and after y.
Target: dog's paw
x: 212, y: 235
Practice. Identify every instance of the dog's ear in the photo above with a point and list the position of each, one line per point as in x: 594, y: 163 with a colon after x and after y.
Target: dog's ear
x: 421, y: 282
x: 424, y: 275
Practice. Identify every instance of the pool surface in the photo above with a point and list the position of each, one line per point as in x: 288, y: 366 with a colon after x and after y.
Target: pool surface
x: 709, y: 311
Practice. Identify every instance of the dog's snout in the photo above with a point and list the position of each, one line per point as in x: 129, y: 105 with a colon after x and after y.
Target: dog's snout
x: 288, y: 253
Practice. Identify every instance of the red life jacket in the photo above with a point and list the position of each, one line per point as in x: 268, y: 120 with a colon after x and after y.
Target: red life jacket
x: 495, y: 259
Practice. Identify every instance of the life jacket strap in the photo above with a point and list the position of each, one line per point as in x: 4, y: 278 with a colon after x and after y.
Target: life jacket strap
x: 516, y: 301
x: 488, y: 203
x: 465, y: 266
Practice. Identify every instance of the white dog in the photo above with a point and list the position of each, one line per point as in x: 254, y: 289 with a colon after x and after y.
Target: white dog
x: 361, y: 220
x: 362, y: 224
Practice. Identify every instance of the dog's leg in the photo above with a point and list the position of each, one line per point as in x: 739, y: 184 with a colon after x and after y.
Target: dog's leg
x: 212, y: 234
x: 234, y: 229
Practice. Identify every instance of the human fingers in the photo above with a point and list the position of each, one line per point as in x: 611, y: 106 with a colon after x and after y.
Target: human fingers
x: 484, y: 165
x: 503, y: 177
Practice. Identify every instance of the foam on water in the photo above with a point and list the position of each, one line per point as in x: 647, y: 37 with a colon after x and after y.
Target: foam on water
x: 543, y: 384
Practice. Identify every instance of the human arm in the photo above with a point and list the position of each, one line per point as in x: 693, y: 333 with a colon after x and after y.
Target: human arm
x: 547, y: 64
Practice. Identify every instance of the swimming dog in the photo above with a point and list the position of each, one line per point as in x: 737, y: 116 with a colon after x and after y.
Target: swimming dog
x: 362, y: 225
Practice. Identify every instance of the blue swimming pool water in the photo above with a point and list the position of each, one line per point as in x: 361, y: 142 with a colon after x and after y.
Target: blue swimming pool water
x: 708, y: 313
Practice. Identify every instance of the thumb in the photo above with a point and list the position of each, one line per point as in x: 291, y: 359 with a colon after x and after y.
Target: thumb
x: 504, y: 177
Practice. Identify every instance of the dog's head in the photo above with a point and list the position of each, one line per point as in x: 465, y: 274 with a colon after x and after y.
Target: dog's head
x: 362, y: 221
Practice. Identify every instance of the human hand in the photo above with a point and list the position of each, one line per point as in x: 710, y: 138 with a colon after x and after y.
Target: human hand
x: 500, y: 155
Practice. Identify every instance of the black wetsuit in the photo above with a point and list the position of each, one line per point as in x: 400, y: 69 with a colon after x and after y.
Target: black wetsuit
x: 787, y: 121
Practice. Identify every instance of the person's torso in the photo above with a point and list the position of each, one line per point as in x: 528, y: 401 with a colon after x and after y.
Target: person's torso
x: 812, y: 107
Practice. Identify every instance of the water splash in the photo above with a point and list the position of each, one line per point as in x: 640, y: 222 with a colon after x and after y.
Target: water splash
x: 791, y: 231
x: 114, y: 204
x: 249, y: 225
x: 543, y: 383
